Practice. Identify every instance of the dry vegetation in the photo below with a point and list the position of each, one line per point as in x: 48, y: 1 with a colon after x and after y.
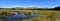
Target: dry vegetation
x: 47, y: 15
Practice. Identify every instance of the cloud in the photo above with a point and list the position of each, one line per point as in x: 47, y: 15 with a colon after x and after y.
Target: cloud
x: 26, y: 6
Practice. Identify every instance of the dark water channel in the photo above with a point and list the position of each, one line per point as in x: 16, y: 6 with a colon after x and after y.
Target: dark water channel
x: 20, y: 17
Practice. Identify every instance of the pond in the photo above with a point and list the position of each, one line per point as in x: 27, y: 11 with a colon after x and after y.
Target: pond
x: 21, y: 16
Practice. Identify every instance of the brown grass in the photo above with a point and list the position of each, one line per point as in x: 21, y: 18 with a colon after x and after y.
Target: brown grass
x: 47, y: 15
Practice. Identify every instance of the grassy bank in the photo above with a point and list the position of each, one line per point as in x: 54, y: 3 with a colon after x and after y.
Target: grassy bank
x: 47, y: 15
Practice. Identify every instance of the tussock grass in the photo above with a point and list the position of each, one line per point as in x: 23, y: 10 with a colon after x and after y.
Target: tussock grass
x: 46, y: 14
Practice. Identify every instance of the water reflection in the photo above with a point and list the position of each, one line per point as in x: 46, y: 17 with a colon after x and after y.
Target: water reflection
x: 21, y: 16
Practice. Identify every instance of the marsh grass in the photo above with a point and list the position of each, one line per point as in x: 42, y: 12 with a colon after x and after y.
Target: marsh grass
x: 46, y: 14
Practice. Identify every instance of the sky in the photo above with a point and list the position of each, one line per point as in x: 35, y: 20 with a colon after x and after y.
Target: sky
x: 29, y: 3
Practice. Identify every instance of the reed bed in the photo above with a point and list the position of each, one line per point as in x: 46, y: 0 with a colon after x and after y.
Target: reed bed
x: 47, y: 15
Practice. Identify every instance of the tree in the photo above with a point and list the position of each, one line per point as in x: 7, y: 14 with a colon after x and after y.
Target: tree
x: 57, y: 8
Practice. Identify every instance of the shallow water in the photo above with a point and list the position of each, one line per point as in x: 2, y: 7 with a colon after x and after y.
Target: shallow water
x: 21, y: 16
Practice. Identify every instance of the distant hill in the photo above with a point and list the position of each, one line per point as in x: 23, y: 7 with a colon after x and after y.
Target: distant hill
x: 29, y: 8
x: 32, y: 8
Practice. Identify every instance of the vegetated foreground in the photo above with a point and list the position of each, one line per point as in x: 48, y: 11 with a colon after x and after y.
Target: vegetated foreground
x: 47, y: 15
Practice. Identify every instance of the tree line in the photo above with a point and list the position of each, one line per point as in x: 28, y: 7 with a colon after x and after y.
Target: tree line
x: 56, y: 8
